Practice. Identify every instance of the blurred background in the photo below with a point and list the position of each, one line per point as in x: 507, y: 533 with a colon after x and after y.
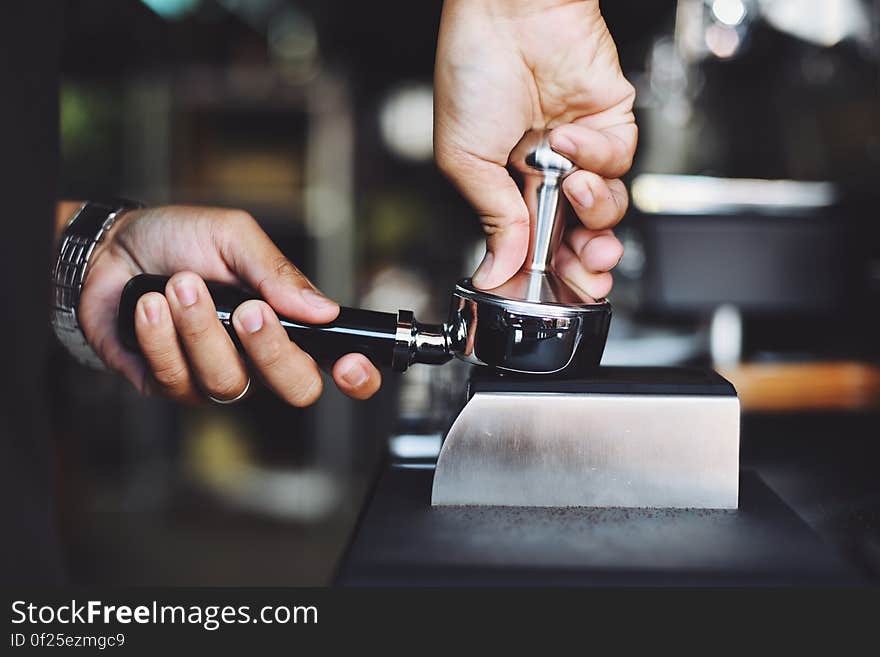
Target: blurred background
x: 751, y: 245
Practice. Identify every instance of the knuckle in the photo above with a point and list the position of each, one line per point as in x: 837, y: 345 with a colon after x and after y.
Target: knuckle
x: 244, y: 216
x: 606, y: 219
x: 171, y: 375
x: 226, y: 385
x: 612, y: 162
x: 195, y: 332
x: 629, y: 93
x: 237, y: 219
x: 580, y: 249
x: 271, y: 355
x: 602, y: 284
x: 493, y: 224
x: 306, y: 391
x: 456, y: 163
x: 622, y: 202
x: 624, y: 163
x: 519, y: 221
x: 227, y: 227
x: 618, y: 199
x: 624, y: 153
x: 284, y: 268
x: 490, y: 225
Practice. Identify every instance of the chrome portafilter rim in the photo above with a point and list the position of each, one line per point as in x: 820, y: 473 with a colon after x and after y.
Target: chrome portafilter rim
x: 519, y: 337
x: 465, y: 288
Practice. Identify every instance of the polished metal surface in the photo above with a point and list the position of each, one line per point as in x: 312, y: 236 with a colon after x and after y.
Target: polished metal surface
x: 523, y: 337
x: 591, y: 450
x: 543, y: 170
x: 404, y: 343
x: 85, y: 230
x: 539, y: 286
x: 431, y: 344
x: 418, y: 342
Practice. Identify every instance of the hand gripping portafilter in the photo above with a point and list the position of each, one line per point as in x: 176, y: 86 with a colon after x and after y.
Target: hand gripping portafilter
x: 532, y: 324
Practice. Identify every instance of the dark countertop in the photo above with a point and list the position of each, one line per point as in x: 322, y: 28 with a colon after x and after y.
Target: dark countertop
x: 809, y: 515
x: 403, y: 541
x: 826, y: 467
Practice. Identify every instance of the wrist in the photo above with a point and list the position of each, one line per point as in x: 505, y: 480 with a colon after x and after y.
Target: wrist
x: 81, y: 238
x: 110, y: 242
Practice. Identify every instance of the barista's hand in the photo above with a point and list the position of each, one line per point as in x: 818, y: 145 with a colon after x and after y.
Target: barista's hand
x: 187, y: 353
x: 505, y: 67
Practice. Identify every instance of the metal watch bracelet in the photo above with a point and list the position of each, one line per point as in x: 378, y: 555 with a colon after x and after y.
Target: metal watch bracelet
x: 81, y: 235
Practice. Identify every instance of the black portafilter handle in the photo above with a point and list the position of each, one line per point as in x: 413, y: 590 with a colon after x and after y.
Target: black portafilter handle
x: 387, y: 339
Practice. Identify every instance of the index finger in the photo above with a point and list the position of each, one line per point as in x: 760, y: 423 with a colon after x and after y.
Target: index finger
x: 608, y: 151
x: 253, y: 256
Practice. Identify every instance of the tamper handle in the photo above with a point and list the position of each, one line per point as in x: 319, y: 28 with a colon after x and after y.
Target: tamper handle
x: 544, y: 171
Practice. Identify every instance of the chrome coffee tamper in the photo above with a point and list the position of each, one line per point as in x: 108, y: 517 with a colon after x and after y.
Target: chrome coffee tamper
x: 533, y: 324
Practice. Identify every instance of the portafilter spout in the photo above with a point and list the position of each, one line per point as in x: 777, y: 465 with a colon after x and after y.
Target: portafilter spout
x: 532, y: 324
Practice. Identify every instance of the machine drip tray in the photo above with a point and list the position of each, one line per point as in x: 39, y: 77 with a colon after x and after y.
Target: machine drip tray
x: 402, y: 541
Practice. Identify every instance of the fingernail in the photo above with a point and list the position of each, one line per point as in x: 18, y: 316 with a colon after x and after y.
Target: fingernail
x: 186, y: 292
x: 152, y: 310
x: 251, y: 318
x: 354, y: 375
x: 484, y: 270
x: 316, y: 299
x: 562, y: 144
x: 583, y: 196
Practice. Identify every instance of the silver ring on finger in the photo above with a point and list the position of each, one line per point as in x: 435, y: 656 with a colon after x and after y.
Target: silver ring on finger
x: 234, y: 400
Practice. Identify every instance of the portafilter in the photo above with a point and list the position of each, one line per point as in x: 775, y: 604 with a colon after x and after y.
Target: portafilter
x: 532, y: 324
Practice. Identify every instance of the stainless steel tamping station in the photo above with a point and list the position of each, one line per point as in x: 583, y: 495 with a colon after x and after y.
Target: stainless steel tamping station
x: 543, y: 425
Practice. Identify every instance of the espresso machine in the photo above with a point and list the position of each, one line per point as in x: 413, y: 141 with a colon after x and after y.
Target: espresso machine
x: 543, y: 424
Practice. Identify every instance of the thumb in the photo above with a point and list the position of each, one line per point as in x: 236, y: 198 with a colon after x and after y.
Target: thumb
x: 489, y: 188
x: 255, y: 259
